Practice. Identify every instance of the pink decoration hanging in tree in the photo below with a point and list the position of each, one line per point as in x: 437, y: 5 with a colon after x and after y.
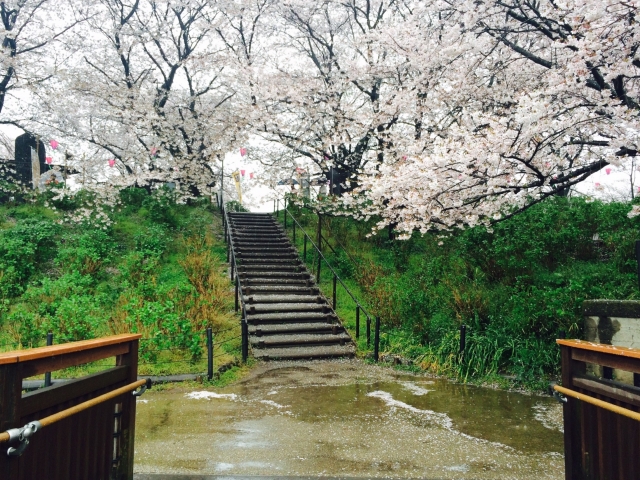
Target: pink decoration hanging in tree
x: 154, y: 151
x: 53, y: 144
x: 242, y: 172
x: 608, y: 170
x: 48, y: 160
x: 251, y: 175
x: 243, y: 152
x: 112, y: 162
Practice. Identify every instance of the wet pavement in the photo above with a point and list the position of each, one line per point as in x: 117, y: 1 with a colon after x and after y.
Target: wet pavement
x: 348, y: 419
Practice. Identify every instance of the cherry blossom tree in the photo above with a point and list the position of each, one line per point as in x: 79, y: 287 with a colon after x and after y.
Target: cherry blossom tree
x: 509, y: 102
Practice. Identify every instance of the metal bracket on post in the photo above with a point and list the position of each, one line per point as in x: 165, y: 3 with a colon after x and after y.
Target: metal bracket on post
x: 143, y: 388
x: 22, y: 435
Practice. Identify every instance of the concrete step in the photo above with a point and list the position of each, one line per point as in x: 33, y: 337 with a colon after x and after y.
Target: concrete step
x: 262, y: 281
x: 284, y: 249
x: 270, y: 261
x: 290, y: 317
x: 274, y: 274
x: 299, y: 339
x: 287, y: 308
x: 280, y: 289
x: 285, y: 328
x: 272, y: 256
x: 295, y: 353
x: 269, y: 267
x: 260, y: 299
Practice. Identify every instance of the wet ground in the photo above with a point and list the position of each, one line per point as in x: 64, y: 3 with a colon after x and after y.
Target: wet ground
x: 346, y: 418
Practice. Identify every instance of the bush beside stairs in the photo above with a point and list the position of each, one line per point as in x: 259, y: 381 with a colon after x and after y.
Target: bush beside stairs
x: 287, y: 316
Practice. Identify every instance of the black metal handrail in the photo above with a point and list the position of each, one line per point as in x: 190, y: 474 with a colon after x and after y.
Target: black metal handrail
x: 239, y: 300
x: 336, y: 279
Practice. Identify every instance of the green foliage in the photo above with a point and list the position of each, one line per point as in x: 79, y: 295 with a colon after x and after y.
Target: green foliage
x: 515, y: 287
x: 155, y: 270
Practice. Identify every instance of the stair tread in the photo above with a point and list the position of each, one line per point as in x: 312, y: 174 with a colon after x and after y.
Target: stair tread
x: 301, y: 338
x: 316, y: 351
x: 289, y: 316
x: 292, y: 327
x: 252, y: 299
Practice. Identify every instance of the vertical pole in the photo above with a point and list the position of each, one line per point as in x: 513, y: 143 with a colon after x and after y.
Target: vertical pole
x: 335, y: 297
x: 463, y: 338
x: 237, y: 287
x: 274, y: 205
x: 357, y: 321
x: 285, y: 215
x: 319, y: 232
x: 294, y: 230
x: 319, y: 264
x: 232, y: 265
x: 376, y: 341
x: 10, y: 397
x: 638, y: 259
x: 47, y: 376
x: 228, y: 252
x: 305, y: 249
x: 278, y: 209
x: 209, y: 354
x: 128, y: 418
x: 245, y: 338
x: 368, y: 330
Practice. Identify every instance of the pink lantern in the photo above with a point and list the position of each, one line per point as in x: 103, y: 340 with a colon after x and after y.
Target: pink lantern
x: 53, y: 144
x: 404, y: 157
x: 154, y: 151
x: 112, y: 162
x: 608, y: 170
x: 251, y: 175
x: 242, y: 172
x: 48, y: 160
x: 243, y: 152
x: 597, y: 184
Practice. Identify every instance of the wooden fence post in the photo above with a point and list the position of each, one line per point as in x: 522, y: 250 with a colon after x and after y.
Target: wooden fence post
x: 128, y: 424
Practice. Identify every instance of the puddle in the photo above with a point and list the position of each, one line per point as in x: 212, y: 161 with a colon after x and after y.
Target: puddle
x: 349, y: 419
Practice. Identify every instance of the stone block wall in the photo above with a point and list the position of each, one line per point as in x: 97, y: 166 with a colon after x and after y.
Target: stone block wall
x: 613, y: 322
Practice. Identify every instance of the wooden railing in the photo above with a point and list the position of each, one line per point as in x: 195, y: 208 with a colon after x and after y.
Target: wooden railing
x: 81, y: 429
x: 601, y: 419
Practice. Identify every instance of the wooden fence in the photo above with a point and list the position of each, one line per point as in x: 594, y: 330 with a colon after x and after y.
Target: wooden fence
x: 86, y: 426
x: 601, y: 419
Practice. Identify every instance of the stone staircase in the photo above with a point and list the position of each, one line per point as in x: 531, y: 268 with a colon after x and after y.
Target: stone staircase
x: 287, y: 316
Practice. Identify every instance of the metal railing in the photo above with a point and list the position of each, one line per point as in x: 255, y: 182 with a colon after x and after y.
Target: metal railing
x: 87, y: 423
x: 335, y: 279
x: 233, y: 272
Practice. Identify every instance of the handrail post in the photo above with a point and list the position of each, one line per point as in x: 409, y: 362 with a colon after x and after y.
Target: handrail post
x: 368, y: 330
x: 335, y: 298
x: 278, y: 209
x: 209, y: 353
x: 294, y: 231
x: 245, y: 337
x: 357, y: 322
x: 232, y: 266
x: 376, y: 341
x: 320, y: 232
x: 463, y: 339
x: 47, y: 376
x: 237, y: 288
x: 274, y: 205
x: 318, y: 275
x: 128, y: 417
x: 305, y: 249
x: 285, y: 215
